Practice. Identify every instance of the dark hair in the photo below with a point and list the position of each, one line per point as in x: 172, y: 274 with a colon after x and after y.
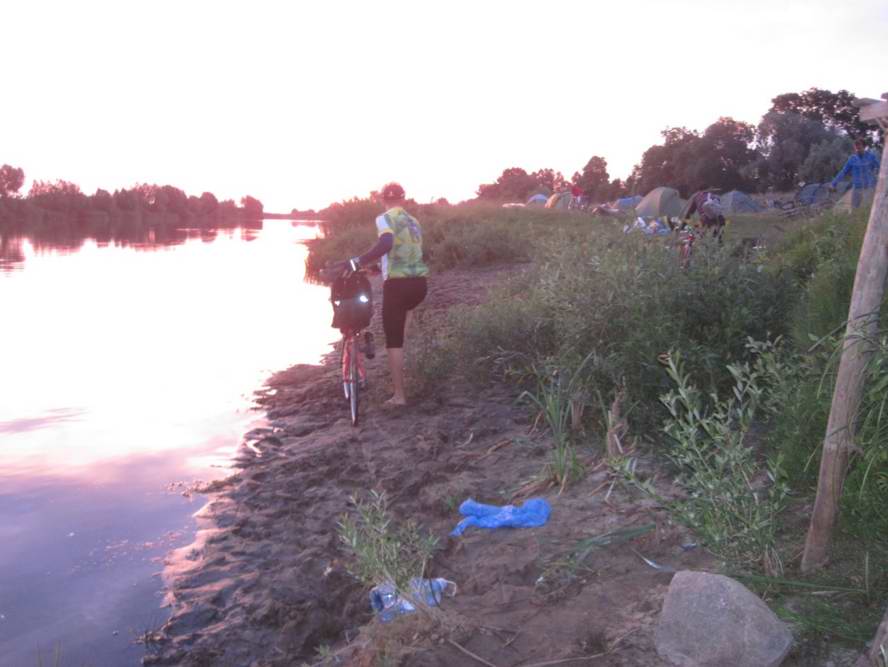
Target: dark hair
x: 392, y: 192
x: 859, y: 142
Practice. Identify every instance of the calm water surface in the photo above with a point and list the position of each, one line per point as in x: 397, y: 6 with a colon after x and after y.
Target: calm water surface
x: 127, y: 370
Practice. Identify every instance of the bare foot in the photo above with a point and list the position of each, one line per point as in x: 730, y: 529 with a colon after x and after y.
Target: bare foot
x: 395, y: 402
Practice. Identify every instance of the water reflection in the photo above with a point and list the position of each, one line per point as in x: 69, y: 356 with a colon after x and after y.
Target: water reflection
x: 67, y: 235
x: 128, y: 364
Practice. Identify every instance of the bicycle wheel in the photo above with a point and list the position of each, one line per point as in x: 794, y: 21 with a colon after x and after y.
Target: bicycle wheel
x: 344, y: 360
x: 353, y: 379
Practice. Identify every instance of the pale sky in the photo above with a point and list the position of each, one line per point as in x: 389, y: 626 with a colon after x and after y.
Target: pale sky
x: 305, y: 103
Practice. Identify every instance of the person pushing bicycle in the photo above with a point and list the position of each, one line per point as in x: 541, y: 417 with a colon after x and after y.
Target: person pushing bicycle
x: 405, y: 284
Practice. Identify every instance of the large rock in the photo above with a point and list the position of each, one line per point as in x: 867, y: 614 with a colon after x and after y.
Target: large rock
x: 712, y: 621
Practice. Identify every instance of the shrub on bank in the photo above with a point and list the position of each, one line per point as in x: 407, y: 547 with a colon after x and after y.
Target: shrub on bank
x: 625, y: 300
x: 453, y: 236
x: 822, y: 259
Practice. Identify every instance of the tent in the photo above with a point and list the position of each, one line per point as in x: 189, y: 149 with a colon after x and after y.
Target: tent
x: 739, y: 202
x: 627, y: 203
x: 659, y: 202
x: 844, y: 204
x: 560, y: 200
x: 813, y: 193
x: 537, y: 200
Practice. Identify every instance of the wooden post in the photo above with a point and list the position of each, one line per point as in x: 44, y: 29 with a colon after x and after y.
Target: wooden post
x: 863, y: 318
x: 880, y: 643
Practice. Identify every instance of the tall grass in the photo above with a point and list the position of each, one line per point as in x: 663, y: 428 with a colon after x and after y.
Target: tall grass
x: 453, y: 236
x: 557, y: 395
x: 822, y: 260
x: 622, y: 301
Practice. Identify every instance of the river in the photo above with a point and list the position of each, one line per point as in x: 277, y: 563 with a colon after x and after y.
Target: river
x: 127, y: 374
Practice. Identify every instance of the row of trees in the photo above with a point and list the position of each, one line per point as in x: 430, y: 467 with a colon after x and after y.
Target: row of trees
x: 803, y: 137
x: 65, y: 199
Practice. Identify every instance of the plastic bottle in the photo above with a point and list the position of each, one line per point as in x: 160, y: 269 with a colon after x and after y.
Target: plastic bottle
x: 388, y: 603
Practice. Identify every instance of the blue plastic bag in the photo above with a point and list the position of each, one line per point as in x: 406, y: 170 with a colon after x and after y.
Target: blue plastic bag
x: 534, y: 512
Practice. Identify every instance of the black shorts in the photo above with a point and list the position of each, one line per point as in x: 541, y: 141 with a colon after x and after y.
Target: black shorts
x: 399, y: 296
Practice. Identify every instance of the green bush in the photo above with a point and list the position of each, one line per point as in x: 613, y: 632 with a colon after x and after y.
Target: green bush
x: 382, y: 549
x: 799, y: 430
x: 624, y: 300
x: 469, y: 235
x: 822, y: 261
x: 731, y: 499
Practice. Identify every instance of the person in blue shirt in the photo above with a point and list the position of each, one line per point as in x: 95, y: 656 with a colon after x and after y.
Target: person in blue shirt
x: 863, y: 166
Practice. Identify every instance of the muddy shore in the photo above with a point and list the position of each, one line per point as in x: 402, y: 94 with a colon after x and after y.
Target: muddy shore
x: 266, y: 582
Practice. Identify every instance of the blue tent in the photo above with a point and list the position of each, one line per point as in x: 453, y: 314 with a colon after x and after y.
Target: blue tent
x: 813, y: 193
x: 538, y: 199
x: 627, y: 203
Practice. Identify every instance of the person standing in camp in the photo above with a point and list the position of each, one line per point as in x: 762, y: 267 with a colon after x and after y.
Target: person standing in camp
x: 708, y: 206
x: 863, y: 165
x: 577, y: 193
x: 404, y: 274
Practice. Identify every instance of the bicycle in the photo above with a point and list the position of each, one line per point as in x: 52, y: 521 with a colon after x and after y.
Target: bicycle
x: 352, y: 300
x: 686, y: 238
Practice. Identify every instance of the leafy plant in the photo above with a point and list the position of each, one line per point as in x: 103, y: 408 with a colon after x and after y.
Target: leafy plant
x: 626, y: 299
x: 730, y: 500
x: 800, y: 427
x: 383, y: 550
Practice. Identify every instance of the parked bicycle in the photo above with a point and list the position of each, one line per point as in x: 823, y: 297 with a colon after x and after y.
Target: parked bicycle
x: 352, y: 299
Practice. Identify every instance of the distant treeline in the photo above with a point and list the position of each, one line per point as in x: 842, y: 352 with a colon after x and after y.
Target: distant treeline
x: 804, y: 136
x: 61, y: 204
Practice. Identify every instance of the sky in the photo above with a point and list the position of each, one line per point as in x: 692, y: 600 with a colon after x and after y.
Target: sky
x: 304, y: 103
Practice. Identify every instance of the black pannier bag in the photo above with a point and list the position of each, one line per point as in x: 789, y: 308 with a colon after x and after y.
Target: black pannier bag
x: 352, y: 299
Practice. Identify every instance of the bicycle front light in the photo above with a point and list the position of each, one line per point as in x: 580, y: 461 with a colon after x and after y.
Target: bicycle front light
x: 363, y: 298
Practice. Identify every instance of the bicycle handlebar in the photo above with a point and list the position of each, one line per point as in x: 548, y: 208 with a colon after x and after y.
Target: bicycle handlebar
x: 334, y: 270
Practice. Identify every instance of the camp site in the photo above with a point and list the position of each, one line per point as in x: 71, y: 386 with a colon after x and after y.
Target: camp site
x: 391, y: 334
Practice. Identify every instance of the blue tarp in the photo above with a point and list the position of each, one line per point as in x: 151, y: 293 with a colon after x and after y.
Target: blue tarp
x: 537, y: 199
x: 534, y: 512
x: 626, y: 203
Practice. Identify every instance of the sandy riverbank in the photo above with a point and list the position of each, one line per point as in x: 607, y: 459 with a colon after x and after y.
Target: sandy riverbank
x: 266, y: 583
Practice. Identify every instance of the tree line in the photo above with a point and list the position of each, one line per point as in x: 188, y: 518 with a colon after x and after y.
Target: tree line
x: 803, y: 137
x: 145, y: 204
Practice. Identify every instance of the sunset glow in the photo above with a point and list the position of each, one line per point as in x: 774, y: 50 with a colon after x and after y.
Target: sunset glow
x: 156, y: 363
x: 301, y: 104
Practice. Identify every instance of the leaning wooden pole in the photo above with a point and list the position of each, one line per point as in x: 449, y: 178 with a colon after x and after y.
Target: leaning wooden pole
x: 879, y: 649
x: 863, y: 320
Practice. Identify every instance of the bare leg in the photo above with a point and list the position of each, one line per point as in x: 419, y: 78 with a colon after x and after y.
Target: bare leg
x: 407, y: 323
x: 396, y: 368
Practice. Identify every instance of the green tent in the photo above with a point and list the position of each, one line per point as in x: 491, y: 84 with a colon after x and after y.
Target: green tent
x: 560, y: 200
x: 660, y: 202
x: 739, y: 202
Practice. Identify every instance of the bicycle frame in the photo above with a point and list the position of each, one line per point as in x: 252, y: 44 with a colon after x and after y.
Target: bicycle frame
x: 350, y: 361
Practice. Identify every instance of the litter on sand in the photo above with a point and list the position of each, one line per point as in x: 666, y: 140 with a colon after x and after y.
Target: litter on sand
x: 388, y: 604
x: 532, y: 513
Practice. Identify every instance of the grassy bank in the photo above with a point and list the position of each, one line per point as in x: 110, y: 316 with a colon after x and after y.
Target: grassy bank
x: 599, y: 314
x: 453, y: 236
